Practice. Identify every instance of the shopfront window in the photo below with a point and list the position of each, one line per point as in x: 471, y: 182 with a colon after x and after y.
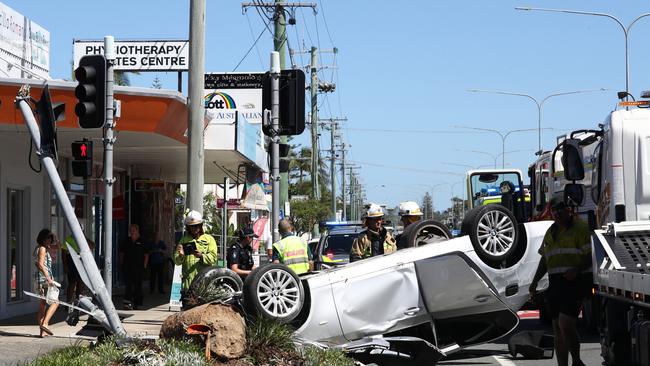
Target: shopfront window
x: 16, y: 244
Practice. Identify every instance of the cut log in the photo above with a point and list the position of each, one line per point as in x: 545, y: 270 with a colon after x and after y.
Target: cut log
x: 228, y: 328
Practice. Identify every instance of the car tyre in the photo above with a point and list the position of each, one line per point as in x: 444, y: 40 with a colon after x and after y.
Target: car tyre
x: 214, y: 284
x: 274, y: 291
x: 425, y: 232
x: 493, y: 231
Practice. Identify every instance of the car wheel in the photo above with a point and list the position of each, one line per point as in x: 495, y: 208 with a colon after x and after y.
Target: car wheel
x: 425, y: 232
x: 214, y: 284
x: 275, y: 292
x: 494, y: 232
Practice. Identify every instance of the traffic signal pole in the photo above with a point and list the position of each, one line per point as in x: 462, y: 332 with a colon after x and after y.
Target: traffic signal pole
x: 279, y: 44
x: 109, y: 141
x: 275, y: 141
x: 86, y: 264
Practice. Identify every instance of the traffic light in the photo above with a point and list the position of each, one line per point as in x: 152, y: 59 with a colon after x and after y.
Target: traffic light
x: 82, y: 152
x: 284, y: 158
x: 91, y: 91
x: 292, y: 102
x: 48, y: 114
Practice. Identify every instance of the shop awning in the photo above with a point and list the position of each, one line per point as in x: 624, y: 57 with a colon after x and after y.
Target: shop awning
x: 150, y: 132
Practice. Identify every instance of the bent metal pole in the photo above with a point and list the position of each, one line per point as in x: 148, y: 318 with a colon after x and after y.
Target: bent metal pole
x: 96, y: 284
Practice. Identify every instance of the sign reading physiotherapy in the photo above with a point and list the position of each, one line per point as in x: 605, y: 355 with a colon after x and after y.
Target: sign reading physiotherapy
x: 225, y: 94
x: 140, y: 55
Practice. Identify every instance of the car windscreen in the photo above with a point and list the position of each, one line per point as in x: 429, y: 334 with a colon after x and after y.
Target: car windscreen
x: 340, y: 243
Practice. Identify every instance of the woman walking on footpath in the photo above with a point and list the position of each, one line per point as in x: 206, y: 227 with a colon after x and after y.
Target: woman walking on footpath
x: 44, y: 240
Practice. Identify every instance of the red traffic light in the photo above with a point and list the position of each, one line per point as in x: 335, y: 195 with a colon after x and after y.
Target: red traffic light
x: 82, y: 150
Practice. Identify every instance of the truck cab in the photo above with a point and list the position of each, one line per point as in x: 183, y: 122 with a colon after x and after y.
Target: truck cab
x: 498, y: 186
x: 618, y: 157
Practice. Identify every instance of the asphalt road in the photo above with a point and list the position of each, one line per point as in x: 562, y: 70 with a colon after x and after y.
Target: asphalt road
x: 496, y: 353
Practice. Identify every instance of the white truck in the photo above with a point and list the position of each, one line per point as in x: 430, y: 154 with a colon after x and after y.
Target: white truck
x: 618, y: 157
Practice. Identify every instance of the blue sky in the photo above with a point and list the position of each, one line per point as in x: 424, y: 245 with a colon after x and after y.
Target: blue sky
x: 403, y: 72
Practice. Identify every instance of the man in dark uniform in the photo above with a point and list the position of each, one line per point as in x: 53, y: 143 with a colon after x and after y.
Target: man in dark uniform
x: 134, y: 258
x: 240, y: 254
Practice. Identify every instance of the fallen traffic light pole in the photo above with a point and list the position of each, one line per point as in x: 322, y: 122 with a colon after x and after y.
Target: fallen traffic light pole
x: 84, y: 261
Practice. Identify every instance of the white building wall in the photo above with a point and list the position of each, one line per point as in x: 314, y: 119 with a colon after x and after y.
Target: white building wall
x: 15, y: 173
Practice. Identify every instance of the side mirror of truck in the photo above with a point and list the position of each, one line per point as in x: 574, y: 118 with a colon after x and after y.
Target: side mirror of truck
x: 572, y: 160
x: 574, y: 194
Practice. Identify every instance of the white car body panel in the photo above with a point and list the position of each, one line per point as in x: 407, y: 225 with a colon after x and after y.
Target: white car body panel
x: 355, y: 295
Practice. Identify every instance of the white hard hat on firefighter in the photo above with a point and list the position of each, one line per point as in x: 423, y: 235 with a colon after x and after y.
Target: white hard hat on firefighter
x: 409, y: 208
x: 374, y: 210
x: 193, y: 218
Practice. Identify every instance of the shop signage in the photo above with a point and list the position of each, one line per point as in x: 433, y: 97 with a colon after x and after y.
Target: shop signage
x: 163, y: 55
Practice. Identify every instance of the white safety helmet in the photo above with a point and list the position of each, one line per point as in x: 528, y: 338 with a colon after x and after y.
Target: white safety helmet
x: 193, y: 218
x: 374, y: 210
x: 409, y: 208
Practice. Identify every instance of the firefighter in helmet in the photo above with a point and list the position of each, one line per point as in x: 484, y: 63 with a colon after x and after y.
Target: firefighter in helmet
x: 409, y: 213
x: 375, y: 240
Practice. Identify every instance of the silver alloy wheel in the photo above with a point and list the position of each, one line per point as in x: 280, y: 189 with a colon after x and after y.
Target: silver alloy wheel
x: 278, y: 293
x: 496, y: 233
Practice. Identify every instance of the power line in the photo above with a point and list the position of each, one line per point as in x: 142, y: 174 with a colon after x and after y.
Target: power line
x: 249, y: 50
x: 250, y: 28
x: 404, y: 168
x: 408, y: 131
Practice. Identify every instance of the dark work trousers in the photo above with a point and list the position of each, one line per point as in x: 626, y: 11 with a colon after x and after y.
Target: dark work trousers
x: 133, y: 280
x: 156, y: 276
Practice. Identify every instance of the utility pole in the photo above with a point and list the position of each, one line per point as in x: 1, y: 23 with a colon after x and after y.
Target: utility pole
x: 315, y: 88
x: 109, y: 141
x: 344, y: 216
x: 333, y: 167
x: 196, y: 83
x: 333, y: 122
x: 279, y: 44
x: 314, y: 125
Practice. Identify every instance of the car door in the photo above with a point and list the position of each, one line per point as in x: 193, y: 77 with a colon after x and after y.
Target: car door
x: 463, y: 303
x: 376, y: 296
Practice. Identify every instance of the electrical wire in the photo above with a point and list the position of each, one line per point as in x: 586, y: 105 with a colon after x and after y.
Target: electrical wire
x: 404, y: 168
x: 250, y: 28
x: 409, y: 131
x: 249, y: 50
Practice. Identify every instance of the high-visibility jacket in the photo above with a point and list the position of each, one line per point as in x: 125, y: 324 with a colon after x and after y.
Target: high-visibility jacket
x: 568, y: 249
x: 70, y: 240
x: 294, y: 253
x: 192, y: 264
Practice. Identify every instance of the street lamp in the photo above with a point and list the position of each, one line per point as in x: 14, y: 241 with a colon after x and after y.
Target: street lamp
x: 538, y: 103
x: 503, y: 135
x: 433, y: 187
x: 626, y: 31
x: 494, y: 157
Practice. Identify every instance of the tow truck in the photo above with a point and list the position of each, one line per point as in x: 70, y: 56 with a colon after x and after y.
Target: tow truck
x: 616, y: 201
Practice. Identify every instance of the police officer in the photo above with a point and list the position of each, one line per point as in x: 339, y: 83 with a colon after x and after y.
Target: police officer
x: 195, y: 251
x: 240, y: 254
x: 375, y: 240
x: 409, y: 213
x: 291, y: 250
x: 566, y: 253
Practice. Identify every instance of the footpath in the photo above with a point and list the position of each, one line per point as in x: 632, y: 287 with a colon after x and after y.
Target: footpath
x: 20, y: 341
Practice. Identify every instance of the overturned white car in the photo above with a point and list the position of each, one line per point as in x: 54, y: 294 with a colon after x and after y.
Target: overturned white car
x: 441, y: 295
